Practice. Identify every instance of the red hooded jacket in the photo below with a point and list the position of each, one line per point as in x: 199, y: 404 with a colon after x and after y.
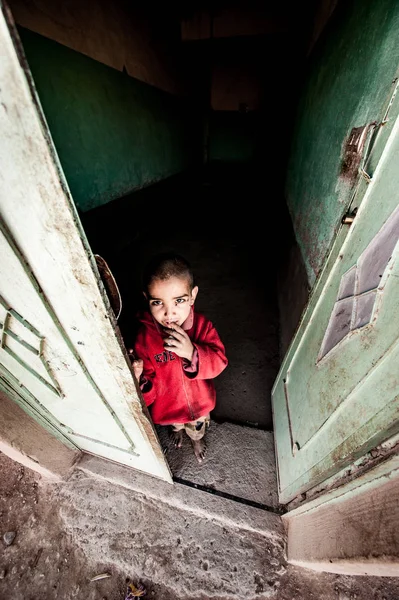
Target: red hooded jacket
x: 176, y: 390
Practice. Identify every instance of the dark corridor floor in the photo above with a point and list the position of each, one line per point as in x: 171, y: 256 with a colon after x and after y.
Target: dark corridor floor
x: 216, y: 222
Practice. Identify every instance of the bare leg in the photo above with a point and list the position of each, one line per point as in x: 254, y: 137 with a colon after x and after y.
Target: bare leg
x: 177, y: 437
x: 199, y: 449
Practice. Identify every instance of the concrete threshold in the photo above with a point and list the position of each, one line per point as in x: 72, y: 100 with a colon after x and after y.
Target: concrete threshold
x: 186, y: 498
x: 240, y: 464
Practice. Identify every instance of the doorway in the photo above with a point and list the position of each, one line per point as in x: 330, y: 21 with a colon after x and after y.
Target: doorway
x: 231, y: 209
x: 216, y: 224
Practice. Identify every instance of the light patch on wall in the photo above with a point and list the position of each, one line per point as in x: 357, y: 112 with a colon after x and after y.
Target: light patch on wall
x: 116, y: 34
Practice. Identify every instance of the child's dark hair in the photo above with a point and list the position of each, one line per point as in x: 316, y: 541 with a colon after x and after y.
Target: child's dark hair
x: 166, y: 265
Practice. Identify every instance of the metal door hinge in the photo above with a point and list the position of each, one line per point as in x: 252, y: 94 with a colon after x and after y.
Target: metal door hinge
x: 349, y: 217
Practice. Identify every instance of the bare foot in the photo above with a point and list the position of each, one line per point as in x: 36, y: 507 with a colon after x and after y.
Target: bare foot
x: 177, y: 438
x: 199, y: 449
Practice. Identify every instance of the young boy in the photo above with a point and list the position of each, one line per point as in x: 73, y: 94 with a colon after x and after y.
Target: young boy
x: 177, y: 352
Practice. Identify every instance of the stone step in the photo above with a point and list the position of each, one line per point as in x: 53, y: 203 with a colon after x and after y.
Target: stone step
x: 204, y: 505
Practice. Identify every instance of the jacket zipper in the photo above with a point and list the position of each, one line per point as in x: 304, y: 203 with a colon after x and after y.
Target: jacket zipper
x: 185, y: 391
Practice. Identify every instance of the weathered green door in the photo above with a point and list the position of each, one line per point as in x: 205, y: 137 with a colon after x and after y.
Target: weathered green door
x: 61, y: 355
x: 337, y: 392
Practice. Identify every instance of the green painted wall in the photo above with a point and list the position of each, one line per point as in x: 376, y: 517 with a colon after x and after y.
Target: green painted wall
x: 348, y: 81
x: 232, y: 136
x: 113, y: 133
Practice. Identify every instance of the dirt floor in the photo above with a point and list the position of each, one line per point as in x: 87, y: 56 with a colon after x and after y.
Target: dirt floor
x: 69, y: 532
x: 43, y: 562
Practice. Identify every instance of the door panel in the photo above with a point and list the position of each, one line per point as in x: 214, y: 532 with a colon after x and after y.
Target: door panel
x: 60, y: 346
x: 337, y: 393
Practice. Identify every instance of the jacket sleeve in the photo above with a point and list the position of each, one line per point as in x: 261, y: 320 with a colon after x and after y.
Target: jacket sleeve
x: 212, y: 358
x: 148, y: 375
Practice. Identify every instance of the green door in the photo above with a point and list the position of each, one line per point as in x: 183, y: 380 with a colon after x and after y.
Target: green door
x: 337, y: 393
x: 61, y: 354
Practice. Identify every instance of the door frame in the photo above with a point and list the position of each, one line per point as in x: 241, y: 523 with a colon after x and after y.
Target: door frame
x: 352, y: 529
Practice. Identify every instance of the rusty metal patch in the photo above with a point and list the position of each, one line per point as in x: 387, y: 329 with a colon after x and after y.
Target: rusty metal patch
x: 110, y: 285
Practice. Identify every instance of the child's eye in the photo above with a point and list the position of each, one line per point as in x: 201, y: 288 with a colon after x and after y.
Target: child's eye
x: 156, y: 303
x: 180, y: 300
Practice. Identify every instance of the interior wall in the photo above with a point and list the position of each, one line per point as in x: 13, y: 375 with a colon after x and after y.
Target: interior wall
x: 121, y: 35
x: 234, y: 99
x: 225, y: 21
x: 232, y: 136
x: 113, y: 132
x: 347, y: 83
x: 321, y: 16
x: 235, y: 81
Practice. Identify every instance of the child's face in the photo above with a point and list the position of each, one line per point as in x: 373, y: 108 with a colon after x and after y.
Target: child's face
x: 170, y: 301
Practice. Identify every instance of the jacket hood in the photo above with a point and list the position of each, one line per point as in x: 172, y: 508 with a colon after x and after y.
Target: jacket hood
x: 144, y: 316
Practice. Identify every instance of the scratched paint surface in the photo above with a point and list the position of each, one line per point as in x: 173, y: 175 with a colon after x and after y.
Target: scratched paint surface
x: 348, y: 81
x: 47, y: 278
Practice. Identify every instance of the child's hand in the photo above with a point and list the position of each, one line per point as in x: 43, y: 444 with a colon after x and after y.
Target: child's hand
x: 137, y: 368
x: 137, y: 364
x: 177, y: 340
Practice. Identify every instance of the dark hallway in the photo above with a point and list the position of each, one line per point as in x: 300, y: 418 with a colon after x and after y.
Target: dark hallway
x: 233, y: 257
x: 214, y: 220
x: 227, y: 214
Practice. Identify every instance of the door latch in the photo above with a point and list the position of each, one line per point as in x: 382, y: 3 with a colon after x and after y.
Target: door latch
x: 349, y: 217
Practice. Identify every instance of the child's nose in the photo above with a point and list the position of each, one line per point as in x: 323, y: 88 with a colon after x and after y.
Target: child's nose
x: 169, y: 310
